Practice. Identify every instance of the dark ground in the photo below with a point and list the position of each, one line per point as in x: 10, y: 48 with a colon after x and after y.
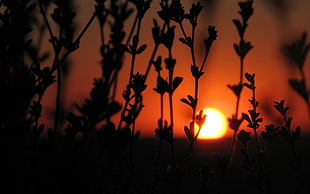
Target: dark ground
x: 57, y: 170
x: 278, y: 160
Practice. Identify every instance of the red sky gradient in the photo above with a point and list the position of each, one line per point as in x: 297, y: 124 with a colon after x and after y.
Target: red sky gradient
x: 266, y: 31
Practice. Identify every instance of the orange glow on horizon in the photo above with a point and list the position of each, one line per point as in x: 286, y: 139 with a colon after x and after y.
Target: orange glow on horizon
x: 222, y: 67
x: 215, y: 125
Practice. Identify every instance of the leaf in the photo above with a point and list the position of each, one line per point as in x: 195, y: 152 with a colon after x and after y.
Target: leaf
x: 189, y: 134
x: 300, y: 88
x: 184, y: 41
x: 126, y: 93
x: 279, y: 106
x: 248, y: 86
x: 189, y: 41
x: 271, y: 133
x: 137, y: 135
x: 297, y: 51
x: 247, y: 118
x: 244, y: 137
x: 156, y: 32
x: 170, y: 63
x: 168, y: 37
x: 201, y: 118
x: 249, y: 77
x: 236, y: 89
x: 235, y: 123
x: 253, y: 114
x: 259, y: 120
x: 162, y: 86
x: 286, y: 134
x: 160, y: 123
x: 239, y: 27
x: 184, y: 100
x: 237, y: 49
x: 176, y: 82
x: 211, y: 38
x: 141, y: 49
x: 195, y: 72
x: 113, y: 107
x: 164, y: 132
x: 296, y: 133
x: 191, y: 101
x: 244, y: 47
x: 157, y: 64
x: 191, y: 98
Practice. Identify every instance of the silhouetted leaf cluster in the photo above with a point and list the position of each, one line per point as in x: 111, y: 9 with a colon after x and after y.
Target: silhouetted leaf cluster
x: 291, y: 136
x: 189, y: 101
x: 271, y: 133
x: 235, y: 123
x: 190, y: 132
x: 94, y: 152
x: 246, y: 11
x: 63, y: 16
x: 244, y: 137
x: 18, y: 81
x: 142, y: 6
x: 241, y: 49
x: 297, y: 53
x: 133, y: 48
x: 236, y: 89
x: 164, y: 131
x: 254, y: 166
x: 252, y: 118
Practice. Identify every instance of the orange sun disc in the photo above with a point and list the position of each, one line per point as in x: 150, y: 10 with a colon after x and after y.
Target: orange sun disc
x: 215, y: 125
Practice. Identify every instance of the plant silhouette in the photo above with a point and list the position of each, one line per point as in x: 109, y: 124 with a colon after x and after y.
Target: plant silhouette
x: 97, y: 147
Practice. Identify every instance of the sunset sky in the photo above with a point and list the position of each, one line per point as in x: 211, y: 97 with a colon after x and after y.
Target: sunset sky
x: 268, y: 29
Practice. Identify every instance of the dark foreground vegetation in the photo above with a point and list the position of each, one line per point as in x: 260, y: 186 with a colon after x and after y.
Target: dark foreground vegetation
x: 95, y: 154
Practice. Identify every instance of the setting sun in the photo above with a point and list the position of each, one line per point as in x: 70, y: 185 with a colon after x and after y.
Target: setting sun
x: 215, y: 125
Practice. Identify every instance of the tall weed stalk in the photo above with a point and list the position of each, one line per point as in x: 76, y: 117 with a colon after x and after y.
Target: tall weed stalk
x: 196, y: 70
x: 94, y: 152
x: 296, y: 52
x: 242, y: 49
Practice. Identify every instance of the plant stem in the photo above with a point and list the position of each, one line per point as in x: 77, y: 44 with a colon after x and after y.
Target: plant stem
x: 258, y: 146
x: 133, y: 59
x: 151, y: 60
x: 288, y: 127
x: 42, y: 11
x: 132, y: 29
x: 196, y: 84
x: 172, y: 130
x: 58, y: 96
x: 162, y: 124
x: 190, y: 149
x: 77, y: 41
x: 171, y: 120
x: 154, y: 52
x: 171, y: 109
x: 233, y: 146
x: 193, y: 47
x: 115, y: 78
x: 56, y: 61
x: 196, y: 100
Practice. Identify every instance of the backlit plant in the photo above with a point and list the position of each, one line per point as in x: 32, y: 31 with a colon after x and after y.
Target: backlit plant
x: 96, y: 151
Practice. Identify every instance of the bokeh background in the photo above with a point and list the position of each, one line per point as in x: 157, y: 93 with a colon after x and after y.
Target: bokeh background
x: 274, y: 23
